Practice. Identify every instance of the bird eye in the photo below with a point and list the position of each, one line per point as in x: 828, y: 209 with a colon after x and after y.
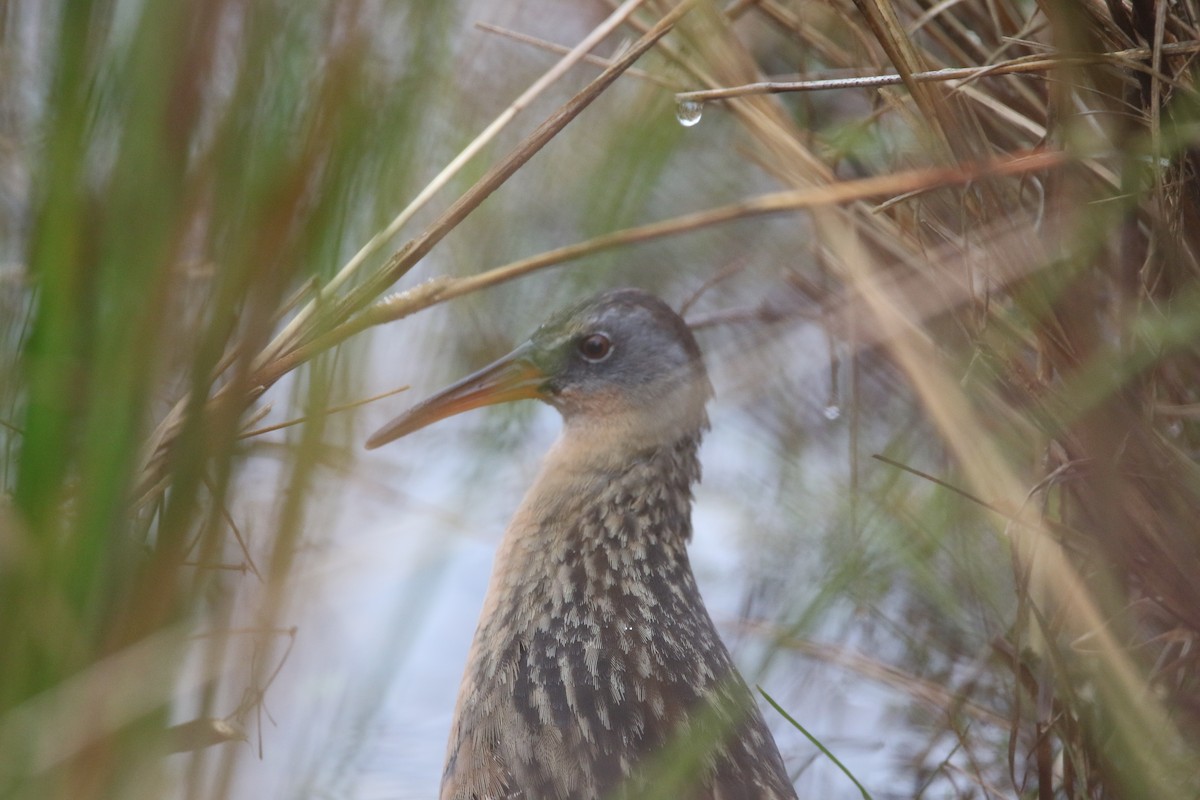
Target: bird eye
x: 595, y: 347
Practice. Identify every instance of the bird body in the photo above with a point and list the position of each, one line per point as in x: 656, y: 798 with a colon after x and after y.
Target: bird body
x: 595, y: 667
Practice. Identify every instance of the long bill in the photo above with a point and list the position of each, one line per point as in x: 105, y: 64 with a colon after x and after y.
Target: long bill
x: 514, y: 377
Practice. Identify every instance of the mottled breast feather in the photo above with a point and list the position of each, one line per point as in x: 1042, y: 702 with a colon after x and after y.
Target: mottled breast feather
x: 595, y: 653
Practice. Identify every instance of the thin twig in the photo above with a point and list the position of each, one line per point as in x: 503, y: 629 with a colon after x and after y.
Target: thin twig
x: 551, y: 47
x: 725, y: 272
x: 326, y: 412
x: 1184, y: 411
x: 1066, y: 532
x: 237, y: 534
x: 241, y: 567
x: 1016, y: 66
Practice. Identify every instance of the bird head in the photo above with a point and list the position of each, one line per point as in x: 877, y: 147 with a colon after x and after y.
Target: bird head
x: 622, y: 361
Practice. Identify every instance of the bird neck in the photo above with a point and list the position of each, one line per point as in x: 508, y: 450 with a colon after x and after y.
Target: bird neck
x: 596, y: 474
x: 603, y: 509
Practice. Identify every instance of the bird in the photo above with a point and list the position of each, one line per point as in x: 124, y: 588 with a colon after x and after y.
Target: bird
x: 596, y: 671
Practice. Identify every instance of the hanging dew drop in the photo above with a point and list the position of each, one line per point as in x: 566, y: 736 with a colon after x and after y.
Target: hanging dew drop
x: 688, y: 112
x: 832, y: 412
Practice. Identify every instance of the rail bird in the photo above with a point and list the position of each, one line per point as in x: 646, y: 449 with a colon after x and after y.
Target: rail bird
x: 596, y: 671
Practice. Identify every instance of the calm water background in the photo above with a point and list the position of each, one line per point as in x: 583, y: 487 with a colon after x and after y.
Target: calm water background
x: 399, y: 546
x: 393, y: 579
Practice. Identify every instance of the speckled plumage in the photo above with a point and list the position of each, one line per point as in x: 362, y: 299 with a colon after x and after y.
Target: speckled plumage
x: 595, y: 647
x: 594, y: 650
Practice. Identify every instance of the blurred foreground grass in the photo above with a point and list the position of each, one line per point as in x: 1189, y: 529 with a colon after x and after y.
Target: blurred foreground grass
x: 1012, y: 257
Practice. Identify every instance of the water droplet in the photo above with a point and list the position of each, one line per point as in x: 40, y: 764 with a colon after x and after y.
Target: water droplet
x: 833, y: 412
x: 688, y: 112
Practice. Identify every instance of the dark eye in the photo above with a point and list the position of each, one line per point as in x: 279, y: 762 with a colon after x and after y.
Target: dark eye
x: 595, y: 347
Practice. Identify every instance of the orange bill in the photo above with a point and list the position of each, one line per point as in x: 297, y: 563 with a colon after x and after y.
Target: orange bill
x: 513, y: 377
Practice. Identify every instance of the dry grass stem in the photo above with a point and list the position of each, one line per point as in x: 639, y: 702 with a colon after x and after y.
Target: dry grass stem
x: 551, y: 47
x: 1130, y: 58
